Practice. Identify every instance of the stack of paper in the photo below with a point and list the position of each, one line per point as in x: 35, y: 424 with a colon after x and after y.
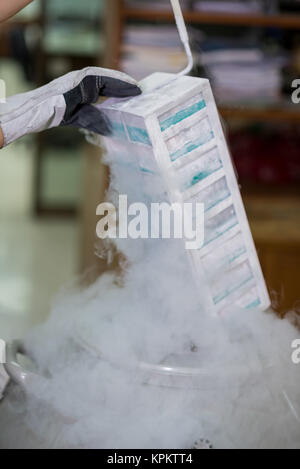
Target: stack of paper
x: 152, y: 48
x: 242, y: 81
x: 240, y: 71
x: 230, y: 7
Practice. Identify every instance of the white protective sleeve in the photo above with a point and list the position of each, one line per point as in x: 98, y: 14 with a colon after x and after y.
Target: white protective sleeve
x: 44, y: 108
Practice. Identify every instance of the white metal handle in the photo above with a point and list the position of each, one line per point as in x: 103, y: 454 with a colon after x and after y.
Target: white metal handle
x: 18, y: 374
x: 183, y: 35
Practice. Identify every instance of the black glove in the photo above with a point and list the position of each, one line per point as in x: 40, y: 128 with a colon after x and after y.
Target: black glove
x: 80, y: 113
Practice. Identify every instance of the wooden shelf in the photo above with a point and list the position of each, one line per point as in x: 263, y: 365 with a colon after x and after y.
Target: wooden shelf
x: 260, y: 114
x: 120, y: 14
x: 278, y: 21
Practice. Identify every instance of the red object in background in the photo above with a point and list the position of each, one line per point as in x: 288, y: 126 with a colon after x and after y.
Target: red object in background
x: 270, y: 158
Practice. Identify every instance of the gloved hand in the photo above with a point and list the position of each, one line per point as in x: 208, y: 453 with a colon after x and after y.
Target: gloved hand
x: 65, y: 101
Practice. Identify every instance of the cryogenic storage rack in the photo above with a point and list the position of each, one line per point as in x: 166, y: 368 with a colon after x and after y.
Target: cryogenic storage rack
x: 174, y: 128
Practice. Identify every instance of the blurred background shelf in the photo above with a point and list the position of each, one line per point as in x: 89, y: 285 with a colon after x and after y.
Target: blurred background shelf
x: 124, y: 14
x: 251, y: 60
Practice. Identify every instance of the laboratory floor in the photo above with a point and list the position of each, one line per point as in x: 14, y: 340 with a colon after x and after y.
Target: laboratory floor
x: 37, y: 260
x: 37, y: 257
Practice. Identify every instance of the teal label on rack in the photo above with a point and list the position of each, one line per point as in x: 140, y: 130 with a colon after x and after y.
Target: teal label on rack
x: 139, y: 135
x: 192, y: 146
x: 182, y: 115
